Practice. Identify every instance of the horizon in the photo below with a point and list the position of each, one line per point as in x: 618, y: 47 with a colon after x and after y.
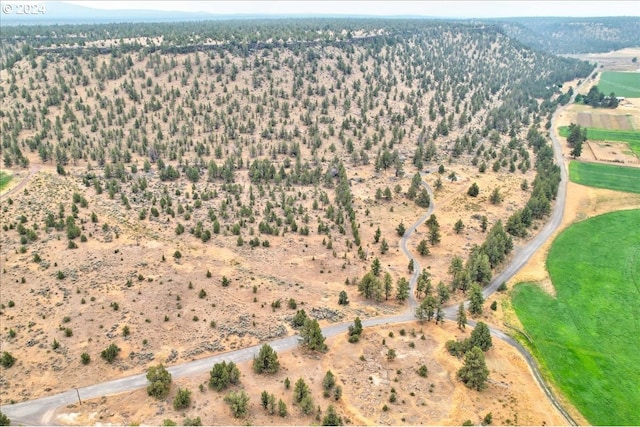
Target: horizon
x: 334, y: 9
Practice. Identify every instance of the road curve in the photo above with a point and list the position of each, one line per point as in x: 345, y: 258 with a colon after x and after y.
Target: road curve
x: 32, y: 170
x: 40, y: 411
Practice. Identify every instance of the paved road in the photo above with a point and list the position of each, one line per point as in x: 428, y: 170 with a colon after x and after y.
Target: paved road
x: 40, y: 411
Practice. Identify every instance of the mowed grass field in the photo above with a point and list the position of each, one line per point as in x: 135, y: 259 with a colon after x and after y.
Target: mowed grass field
x: 5, y: 178
x: 622, y: 84
x: 631, y: 137
x: 606, y: 176
x: 587, y: 337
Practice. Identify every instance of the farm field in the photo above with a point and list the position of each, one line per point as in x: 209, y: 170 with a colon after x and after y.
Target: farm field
x: 5, y: 178
x: 632, y: 138
x: 622, y: 84
x: 584, y: 336
x: 605, y: 176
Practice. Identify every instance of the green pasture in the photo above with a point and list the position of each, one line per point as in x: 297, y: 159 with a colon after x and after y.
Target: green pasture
x: 631, y: 137
x: 620, y: 83
x: 606, y: 176
x: 5, y: 178
x: 587, y: 337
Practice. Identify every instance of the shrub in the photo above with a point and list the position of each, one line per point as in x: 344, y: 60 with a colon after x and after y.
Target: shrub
x: 238, y: 402
x: 7, y: 360
x: 488, y: 419
x: 109, y: 354
x: 4, y: 420
x: 182, y: 399
x: 192, y: 421
x: 422, y: 371
x: 160, y: 381
x: 85, y: 358
x: 223, y: 374
x: 474, y: 190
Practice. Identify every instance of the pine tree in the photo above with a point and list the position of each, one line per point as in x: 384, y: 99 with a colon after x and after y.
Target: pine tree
x: 481, y: 337
x: 474, y: 372
x: 402, y: 289
x: 331, y: 418
x: 311, y: 336
x: 461, y: 318
x: 475, y: 299
x: 266, y: 361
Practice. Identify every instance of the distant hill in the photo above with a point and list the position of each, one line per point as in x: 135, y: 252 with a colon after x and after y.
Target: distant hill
x: 574, y: 35
x: 66, y: 13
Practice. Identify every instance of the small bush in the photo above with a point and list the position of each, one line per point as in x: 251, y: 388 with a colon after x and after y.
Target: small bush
x: 182, y: 399
x: 422, y: 371
x: 7, y: 360
x: 85, y: 358
x: 109, y: 354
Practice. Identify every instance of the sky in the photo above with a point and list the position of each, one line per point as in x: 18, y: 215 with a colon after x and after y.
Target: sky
x: 455, y: 9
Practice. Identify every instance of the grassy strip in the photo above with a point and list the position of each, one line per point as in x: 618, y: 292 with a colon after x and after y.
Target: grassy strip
x: 598, y: 175
x: 631, y: 137
x: 620, y: 83
x: 587, y: 335
x: 5, y: 178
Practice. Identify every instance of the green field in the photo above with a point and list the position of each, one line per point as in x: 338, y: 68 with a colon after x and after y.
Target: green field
x: 631, y: 137
x: 622, y: 84
x: 605, y: 176
x: 587, y: 337
x: 5, y: 178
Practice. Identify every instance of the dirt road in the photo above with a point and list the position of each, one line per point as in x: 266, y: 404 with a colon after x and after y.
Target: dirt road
x: 40, y: 411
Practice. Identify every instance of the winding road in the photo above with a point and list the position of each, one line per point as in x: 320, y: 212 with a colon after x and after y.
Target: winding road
x: 40, y: 411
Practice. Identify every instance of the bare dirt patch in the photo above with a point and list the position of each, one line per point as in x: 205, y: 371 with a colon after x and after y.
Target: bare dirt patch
x: 618, y: 60
x: 367, y: 378
x: 627, y: 117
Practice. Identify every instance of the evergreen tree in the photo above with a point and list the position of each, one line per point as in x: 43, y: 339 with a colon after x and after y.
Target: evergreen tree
x: 481, y: 337
x: 311, y: 336
x: 461, y: 317
x: 475, y: 299
x: 300, y: 391
x: 331, y: 418
x: 474, y: 372
x: 160, y: 381
x: 266, y: 361
x: 388, y: 283
x: 402, y: 289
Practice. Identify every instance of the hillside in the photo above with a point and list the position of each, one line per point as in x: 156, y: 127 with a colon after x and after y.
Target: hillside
x: 197, y: 191
x: 574, y: 35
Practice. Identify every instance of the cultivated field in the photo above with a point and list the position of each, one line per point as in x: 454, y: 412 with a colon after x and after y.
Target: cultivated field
x: 630, y: 138
x: 586, y: 335
x: 605, y: 176
x: 605, y: 121
x: 622, y: 84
